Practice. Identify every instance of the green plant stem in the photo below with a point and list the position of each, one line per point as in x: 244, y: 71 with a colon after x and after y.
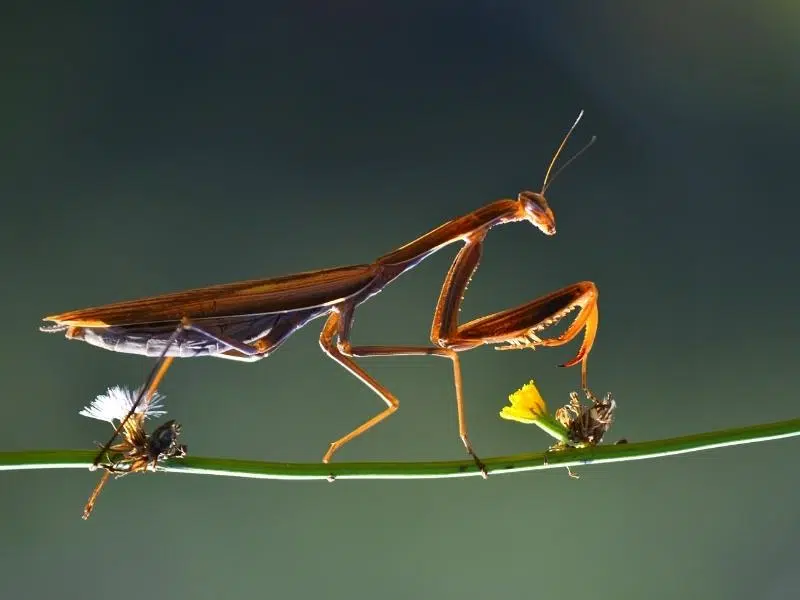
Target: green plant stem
x: 82, y: 459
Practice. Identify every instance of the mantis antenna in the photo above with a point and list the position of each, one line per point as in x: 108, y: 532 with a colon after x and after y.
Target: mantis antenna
x: 547, y: 181
x: 566, y: 164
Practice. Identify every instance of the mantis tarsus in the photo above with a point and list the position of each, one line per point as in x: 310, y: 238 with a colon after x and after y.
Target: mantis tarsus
x: 249, y: 320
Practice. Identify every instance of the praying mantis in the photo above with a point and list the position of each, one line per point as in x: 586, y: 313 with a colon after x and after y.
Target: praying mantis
x: 248, y: 321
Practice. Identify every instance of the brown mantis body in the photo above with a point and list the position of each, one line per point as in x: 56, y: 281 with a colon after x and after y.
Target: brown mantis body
x: 249, y: 320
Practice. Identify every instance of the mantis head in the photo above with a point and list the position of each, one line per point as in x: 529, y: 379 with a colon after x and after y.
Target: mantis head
x: 538, y: 212
x: 534, y: 205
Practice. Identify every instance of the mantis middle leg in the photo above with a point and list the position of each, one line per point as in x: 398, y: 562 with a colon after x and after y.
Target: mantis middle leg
x: 339, y: 325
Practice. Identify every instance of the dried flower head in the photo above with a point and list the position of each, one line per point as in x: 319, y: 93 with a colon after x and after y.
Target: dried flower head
x: 587, y: 424
x: 138, y: 451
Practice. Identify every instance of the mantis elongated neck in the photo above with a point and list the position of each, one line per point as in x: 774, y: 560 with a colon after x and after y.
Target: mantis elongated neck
x: 475, y: 223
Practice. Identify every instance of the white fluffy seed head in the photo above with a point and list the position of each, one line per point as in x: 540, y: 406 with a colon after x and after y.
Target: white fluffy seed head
x: 117, y: 402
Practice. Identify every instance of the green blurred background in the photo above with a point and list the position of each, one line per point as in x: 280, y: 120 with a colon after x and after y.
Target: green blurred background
x: 154, y: 148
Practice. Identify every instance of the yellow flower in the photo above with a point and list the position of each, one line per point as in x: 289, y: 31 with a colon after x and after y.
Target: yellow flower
x: 527, y: 405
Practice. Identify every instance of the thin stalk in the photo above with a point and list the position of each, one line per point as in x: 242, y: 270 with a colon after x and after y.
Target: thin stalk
x: 229, y: 467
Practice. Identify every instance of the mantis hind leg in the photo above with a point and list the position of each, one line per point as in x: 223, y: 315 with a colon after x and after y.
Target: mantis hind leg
x: 145, y: 395
x: 241, y: 350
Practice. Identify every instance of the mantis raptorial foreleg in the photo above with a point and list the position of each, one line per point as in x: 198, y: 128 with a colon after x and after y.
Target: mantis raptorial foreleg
x: 521, y: 327
x: 517, y: 327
